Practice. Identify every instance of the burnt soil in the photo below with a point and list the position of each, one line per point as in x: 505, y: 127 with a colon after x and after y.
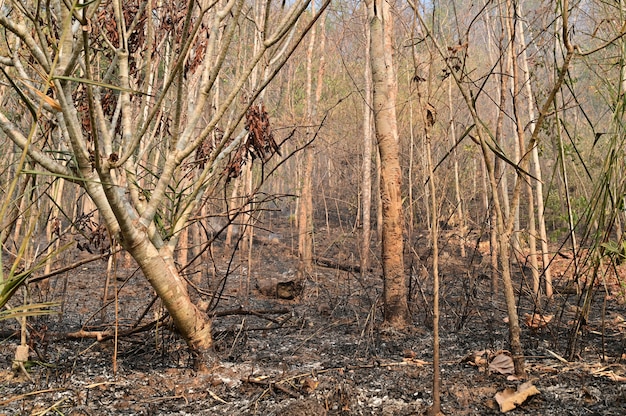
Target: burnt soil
x: 322, y: 353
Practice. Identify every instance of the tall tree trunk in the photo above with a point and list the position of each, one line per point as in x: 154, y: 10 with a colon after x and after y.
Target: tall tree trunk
x: 543, y: 235
x: 513, y: 26
x: 435, y: 409
x: 305, y: 214
x: 396, y: 311
x: 366, y: 184
x: 455, y: 160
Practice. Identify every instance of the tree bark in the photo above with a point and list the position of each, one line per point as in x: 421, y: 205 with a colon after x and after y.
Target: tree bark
x: 396, y: 312
x: 366, y: 184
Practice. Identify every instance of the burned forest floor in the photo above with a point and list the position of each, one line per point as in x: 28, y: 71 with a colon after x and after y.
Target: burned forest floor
x: 324, y: 352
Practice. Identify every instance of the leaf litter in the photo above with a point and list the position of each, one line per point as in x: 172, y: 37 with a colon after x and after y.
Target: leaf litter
x: 334, y: 363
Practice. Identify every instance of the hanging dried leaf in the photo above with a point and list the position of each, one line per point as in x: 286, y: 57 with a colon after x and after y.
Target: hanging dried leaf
x: 260, y: 141
x: 509, y: 398
x: 237, y: 160
x: 197, y: 52
x: 206, y: 147
x: 431, y: 114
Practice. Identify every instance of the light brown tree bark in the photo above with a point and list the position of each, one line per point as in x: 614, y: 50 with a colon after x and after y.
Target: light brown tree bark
x: 396, y: 311
x: 366, y: 182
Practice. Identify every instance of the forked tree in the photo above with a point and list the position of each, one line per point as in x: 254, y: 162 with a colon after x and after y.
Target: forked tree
x: 138, y: 94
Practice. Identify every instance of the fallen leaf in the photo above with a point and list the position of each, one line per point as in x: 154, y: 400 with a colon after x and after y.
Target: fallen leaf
x: 536, y: 321
x: 309, y: 384
x: 615, y: 377
x: 503, y: 364
x: 604, y: 372
x: 409, y: 354
x: 509, y: 398
x: 478, y: 359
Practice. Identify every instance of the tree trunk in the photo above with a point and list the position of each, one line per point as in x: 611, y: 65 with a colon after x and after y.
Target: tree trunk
x: 435, y: 409
x: 543, y: 235
x: 159, y: 268
x: 305, y: 212
x: 396, y: 312
x: 455, y: 160
x: 366, y: 184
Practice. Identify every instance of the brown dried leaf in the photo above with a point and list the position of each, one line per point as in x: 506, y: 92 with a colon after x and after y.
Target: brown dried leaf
x: 503, y: 364
x: 309, y: 384
x: 606, y: 372
x: 615, y: 377
x: 509, y: 398
x: 409, y: 353
x: 536, y: 321
x: 478, y: 359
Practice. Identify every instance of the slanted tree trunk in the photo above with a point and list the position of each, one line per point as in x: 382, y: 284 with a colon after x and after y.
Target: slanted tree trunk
x: 396, y: 311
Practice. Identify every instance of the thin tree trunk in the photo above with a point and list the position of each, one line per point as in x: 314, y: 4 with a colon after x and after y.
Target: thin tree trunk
x: 366, y: 184
x: 543, y: 235
x: 455, y: 160
x: 305, y: 213
x: 513, y: 26
x: 435, y: 409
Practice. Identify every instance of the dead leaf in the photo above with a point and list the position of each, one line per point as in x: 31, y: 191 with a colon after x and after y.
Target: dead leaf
x: 536, y: 321
x: 409, y: 354
x: 309, y: 384
x: 503, y: 364
x: 615, y: 377
x: 478, y: 359
x: 605, y: 372
x: 509, y: 398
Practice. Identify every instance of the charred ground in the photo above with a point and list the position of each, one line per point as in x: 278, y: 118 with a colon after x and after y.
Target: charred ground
x: 320, y: 353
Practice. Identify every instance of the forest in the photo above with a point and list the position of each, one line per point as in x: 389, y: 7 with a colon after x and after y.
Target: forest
x: 344, y: 207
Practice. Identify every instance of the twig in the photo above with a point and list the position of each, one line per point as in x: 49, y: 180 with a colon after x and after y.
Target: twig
x: 260, y: 313
x: 98, y: 335
x: 557, y: 356
x: 331, y: 264
x: 162, y: 399
x: 216, y: 397
x: 25, y: 395
x: 107, y: 334
x: 274, y: 384
x: 67, y: 268
x: 322, y: 328
x: 52, y: 407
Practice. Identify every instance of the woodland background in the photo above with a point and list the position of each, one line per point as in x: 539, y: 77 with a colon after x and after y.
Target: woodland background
x: 178, y: 175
